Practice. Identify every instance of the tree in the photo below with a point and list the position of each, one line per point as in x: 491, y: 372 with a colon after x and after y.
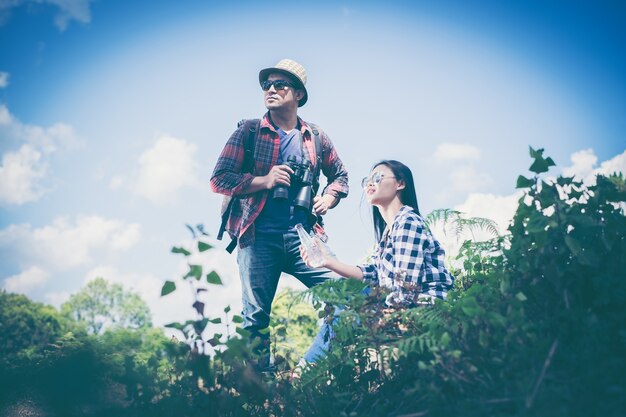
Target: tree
x: 293, y: 324
x: 25, y: 324
x: 102, y: 304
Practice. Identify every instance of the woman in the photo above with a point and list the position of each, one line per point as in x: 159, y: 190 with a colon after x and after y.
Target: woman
x: 408, y: 260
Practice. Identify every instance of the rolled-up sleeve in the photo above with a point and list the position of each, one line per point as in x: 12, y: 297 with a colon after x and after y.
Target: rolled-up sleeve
x: 370, y: 273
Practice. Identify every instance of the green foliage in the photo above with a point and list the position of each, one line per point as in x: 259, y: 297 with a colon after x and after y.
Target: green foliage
x: 454, y: 220
x: 534, y: 327
x: 101, y: 304
x: 293, y: 325
x: 25, y: 324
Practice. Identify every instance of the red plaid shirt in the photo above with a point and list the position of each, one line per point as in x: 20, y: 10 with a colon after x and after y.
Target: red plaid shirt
x: 228, y: 179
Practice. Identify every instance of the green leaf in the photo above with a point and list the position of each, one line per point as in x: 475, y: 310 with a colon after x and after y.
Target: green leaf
x: 200, y: 325
x: 537, y: 223
x: 237, y: 319
x: 213, y: 278
x: 470, y: 306
x: 535, y: 153
x: 445, y: 339
x: 483, y: 339
x: 194, y: 271
x: 520, y: 296
x: 573, y: 245
x: 202, y: 246
x: 227, y: 309
x: 168, y: 287
x: 176, y: 249
x: 177, y: 326
x: 540, y: 165
x: 523, y: 182
x: 216, y: 321
x: 199, y: 306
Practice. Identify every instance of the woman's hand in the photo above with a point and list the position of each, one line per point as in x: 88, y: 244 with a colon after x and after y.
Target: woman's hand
x: 327, y: 255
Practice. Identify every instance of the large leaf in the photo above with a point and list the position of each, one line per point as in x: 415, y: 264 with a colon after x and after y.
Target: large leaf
x: 194, y: 271
x: 176, y: 249
x: 203, y: 246
x: 213, y: 278
x: 199, y: 306
x: 540, y: 164
x: 178, y: 326
x: 523, y: 182
x: 168, y: 287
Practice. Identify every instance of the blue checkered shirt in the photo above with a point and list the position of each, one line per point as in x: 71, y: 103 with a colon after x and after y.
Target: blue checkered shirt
x: 409, y: 261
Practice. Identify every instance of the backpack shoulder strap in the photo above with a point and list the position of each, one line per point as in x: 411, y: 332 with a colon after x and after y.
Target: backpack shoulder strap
x: 318, y: 145
x: 252, y: 127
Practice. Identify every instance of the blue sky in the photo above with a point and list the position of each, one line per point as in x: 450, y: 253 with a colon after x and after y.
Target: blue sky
x: 112, y: 115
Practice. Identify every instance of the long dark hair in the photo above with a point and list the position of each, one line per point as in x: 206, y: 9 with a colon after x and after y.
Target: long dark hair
x: 407, y: 195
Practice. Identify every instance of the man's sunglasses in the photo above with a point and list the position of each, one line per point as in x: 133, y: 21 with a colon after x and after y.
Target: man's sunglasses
x: 278, y: 85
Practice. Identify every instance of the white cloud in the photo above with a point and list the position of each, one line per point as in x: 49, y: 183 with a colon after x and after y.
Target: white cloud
x: 584, y: 166
x: 467, y: 178
x: 23, y: 171
x: 57, y: 298
x: 26, y: 280
x: 65, y: 245
x: 4, y: 79
x: 116, y: 182
x: 461, y: 167
x: 497, y: 208
x: 613, y: 165
x: 68, y: 10
x: 165, y: 168
x: 456, y: 152
x: 5, y: 116
x: 126, y: 238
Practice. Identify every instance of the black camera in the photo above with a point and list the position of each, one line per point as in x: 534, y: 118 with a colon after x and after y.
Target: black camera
x: 302, y: 179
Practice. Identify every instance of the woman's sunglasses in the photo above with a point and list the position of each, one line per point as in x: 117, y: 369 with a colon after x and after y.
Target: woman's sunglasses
x: 373, y: 179
x: 278, y: 85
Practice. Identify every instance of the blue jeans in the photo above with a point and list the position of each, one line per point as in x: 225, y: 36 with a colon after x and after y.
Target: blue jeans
x: 321, y: 344
x: 260, y: 266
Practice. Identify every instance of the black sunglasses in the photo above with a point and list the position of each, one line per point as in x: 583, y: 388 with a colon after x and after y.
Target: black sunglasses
x: 278, y: 84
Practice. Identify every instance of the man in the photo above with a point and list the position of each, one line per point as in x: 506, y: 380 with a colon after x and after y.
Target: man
x: 269, y: 201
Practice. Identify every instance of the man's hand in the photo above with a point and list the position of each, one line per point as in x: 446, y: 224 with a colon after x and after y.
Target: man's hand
x: 279, y: 174
x: 323, y: 203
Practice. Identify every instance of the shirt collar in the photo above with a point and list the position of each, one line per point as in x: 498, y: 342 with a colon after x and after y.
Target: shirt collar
x: 304, y: 127
x: 403, y: 210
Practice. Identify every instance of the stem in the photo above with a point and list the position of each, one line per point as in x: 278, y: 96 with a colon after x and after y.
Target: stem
x: 531, y: 399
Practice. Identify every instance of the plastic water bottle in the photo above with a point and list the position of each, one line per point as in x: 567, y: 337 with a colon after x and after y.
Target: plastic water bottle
x: 316, y: 257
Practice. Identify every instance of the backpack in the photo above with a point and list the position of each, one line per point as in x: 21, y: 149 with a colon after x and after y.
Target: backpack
x: 252, y: 126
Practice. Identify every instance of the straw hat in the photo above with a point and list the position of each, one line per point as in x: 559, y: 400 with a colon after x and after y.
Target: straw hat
x: 293, y: 70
